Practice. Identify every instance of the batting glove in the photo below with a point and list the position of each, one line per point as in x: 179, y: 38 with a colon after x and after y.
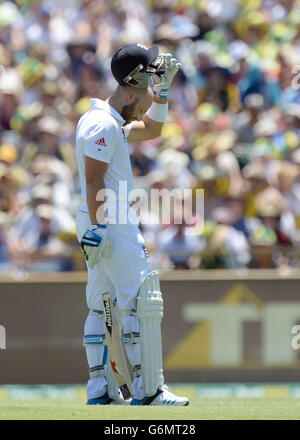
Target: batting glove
x: 95, y: 243
x: 170, y: 65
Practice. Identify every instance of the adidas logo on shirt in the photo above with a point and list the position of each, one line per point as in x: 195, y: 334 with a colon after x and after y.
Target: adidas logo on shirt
x: 101, y: 142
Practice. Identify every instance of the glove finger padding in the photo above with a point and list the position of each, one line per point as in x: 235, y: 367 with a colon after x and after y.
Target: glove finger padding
x: 172, y: 67
x: 166, y: 59
x: 173, y: 63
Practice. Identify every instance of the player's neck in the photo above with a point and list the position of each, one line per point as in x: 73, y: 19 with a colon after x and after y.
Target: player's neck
x: 115, y: 102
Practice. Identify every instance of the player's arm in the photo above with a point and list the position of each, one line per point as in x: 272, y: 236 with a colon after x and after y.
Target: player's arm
x: 98, y: 151
x: 151, y: 125
x: 95, y: 241
x: 95, y: 171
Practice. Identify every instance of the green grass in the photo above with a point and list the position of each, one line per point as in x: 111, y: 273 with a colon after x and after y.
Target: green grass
x: 200, y: 408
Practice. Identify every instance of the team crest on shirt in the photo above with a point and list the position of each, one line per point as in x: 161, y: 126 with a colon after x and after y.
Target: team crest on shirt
x: 124, y: 136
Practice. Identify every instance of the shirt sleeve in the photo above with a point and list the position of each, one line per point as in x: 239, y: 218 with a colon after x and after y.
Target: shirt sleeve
x: 127, y: 129
x: 100, y: 141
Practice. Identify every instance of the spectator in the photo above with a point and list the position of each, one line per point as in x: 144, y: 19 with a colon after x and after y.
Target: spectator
x: 233, y: 126
x: 181, y: 246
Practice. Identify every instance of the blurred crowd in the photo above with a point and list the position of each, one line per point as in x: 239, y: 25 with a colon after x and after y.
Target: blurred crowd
x: 233, y: 127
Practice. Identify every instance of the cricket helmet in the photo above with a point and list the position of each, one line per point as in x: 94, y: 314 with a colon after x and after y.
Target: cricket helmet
x: 137, y: 65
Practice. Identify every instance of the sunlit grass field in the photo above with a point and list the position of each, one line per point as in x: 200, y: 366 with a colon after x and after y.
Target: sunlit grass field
x: 70, y: 407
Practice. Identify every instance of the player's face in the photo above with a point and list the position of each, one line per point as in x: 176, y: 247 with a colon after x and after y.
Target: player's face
x: 137, y: 110
x: 143, y: 104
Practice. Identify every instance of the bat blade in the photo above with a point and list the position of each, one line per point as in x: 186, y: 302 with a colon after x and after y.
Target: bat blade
x: 116, y: 349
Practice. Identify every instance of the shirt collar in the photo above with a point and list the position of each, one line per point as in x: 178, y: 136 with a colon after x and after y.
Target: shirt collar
x: 103, y: 105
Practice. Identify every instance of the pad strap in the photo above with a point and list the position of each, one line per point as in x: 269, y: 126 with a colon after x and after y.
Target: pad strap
x: 94, y: 340
x: 131, y: 338
x: 97, y: 371
x: 128, y: 338
x: 96, y: 312
x: 137, y: 370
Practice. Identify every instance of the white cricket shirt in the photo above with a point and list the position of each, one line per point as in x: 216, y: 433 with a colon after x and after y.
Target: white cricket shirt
x: 100, y: 135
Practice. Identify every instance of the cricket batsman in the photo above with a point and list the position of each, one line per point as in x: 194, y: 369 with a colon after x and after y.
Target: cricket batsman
x: 116, y: 257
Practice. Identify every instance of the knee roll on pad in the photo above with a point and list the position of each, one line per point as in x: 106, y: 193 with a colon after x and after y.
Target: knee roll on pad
x: 150, y: 313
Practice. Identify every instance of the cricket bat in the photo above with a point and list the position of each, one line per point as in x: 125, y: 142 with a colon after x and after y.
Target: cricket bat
x: 116, y: 348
